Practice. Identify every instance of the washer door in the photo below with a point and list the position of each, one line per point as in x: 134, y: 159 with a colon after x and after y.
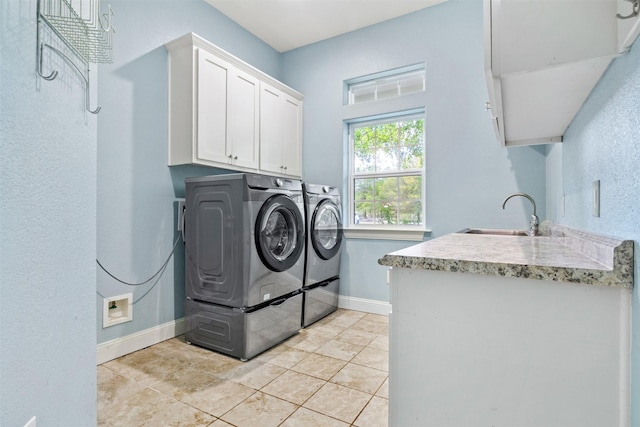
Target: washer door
x: 279, y: 233
x: 326, y: 229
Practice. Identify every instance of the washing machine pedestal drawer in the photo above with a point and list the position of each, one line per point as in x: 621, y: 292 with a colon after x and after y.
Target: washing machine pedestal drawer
x: 242, y: 334
x: 320, y: 300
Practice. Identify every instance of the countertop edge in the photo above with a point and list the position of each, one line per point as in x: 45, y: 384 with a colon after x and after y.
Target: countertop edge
x: 616, y: 256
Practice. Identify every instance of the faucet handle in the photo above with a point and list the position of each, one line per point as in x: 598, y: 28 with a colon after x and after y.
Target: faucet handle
x: 533, y: 226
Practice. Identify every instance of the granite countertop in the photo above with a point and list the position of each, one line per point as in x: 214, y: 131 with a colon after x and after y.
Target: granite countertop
x: 558, y: 254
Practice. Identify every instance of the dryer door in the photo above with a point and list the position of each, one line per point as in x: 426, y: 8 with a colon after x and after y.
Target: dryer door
x: 279, y: 233
x: 326, y: 229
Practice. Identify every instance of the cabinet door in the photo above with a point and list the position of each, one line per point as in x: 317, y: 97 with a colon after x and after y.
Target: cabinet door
x: 542, y: 59
x: 243, y: 120
x: 529, y: 35
x: 292, y: 136
x: 270, y: 129
x: 212, y: 102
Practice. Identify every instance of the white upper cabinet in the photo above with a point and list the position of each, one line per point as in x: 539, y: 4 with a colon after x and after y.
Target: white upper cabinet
x: 215, y: 111
x: 542, y: 59
x: 280, y: 131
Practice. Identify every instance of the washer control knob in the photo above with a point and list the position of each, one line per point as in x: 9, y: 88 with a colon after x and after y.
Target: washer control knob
x: 279, y: 182
x: 326, y: 188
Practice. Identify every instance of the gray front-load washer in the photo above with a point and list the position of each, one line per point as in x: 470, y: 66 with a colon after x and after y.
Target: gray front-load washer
x: 244, y: 239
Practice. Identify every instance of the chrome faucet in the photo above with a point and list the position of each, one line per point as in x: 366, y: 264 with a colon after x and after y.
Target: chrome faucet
x: 533, y: 224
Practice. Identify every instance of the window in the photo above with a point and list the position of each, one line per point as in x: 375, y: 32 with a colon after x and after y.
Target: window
x: 387, y: 171
x: 388, y: 84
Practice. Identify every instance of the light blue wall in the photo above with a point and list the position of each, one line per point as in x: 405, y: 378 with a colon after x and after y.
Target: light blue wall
x: 136, y: 189
x: 48, y: 173
x: 468, y: 173
x: 47, y: 235
x: 603, y: 143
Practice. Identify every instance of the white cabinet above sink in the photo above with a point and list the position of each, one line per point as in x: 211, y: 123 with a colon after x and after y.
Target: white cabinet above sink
x: 542, y: 59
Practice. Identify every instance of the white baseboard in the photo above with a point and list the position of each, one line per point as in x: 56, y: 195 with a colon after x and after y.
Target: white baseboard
x: 119, y: 347
x: 366, y: 305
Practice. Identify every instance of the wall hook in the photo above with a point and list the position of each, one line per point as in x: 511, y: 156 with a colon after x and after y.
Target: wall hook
x: 107, y: 16
x: 634, y: 12
x: 53, y: 74
x: 85, y: 36
x: 84, y: 75
x: 87, y: 102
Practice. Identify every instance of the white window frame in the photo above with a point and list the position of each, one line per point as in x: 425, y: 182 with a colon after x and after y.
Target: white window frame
x: 383, y: 231
x: 396, y: 78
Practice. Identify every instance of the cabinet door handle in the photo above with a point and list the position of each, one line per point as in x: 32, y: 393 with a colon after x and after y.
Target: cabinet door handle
x: 285, y: 168
x: 235, y: 158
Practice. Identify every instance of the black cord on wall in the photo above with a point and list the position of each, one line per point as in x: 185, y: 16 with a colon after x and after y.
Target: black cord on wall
x: 157, y: 274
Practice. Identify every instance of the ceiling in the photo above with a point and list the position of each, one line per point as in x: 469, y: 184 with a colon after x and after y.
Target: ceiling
x: 288, y: 24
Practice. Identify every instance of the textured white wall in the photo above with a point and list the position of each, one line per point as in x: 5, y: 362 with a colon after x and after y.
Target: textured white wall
x: 603, y: 143
x: 47, y: 235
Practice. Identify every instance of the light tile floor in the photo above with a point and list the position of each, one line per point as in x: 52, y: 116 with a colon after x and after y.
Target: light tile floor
x: 334, y: 373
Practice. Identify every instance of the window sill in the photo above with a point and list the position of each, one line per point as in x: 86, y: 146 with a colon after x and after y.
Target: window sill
x: 385, y: 233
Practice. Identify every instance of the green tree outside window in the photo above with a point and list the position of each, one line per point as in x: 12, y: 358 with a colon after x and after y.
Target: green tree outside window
x: 387, y: 181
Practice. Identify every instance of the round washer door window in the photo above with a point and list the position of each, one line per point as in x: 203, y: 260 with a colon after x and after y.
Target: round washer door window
x: 279, y: 233
x: 326, y: 227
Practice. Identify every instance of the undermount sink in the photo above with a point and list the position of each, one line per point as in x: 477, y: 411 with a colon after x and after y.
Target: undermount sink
x: 494, y: 232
